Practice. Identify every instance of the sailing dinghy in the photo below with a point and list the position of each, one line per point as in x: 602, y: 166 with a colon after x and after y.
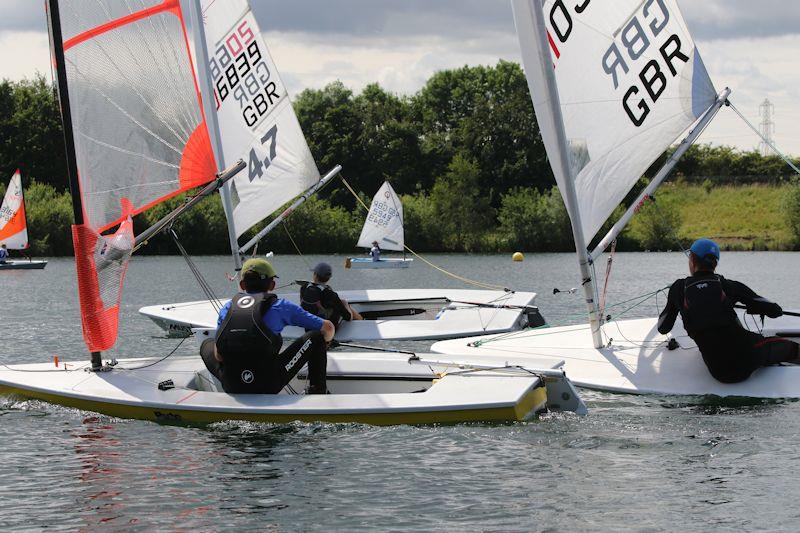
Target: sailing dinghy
x: 384, y: 225
x: 389, y: 314
x: 14, y: 226
x: 628, y: 80
x: 281, y: 167
x: 136, y: 134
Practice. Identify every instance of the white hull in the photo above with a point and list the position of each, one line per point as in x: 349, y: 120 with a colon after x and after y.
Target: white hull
x: 23, y: 265
x: 434, y: 316
x: 389, y: 262
x: 364, y: 388
x: 637, y: 361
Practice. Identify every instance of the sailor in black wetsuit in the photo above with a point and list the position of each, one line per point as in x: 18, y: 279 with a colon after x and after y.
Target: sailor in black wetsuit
x: 246, y: 355
x: 318, y: 298
x: 705, y: 302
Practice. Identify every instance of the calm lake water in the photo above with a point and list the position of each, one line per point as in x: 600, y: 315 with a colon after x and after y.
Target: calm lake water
x: 634, y: 463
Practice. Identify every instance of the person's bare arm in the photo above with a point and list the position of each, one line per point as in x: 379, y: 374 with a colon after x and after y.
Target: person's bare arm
x: 354, y: 315
x: 327, y: 330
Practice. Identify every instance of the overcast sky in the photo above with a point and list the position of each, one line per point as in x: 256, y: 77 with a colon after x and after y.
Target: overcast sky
x: 751, y: 46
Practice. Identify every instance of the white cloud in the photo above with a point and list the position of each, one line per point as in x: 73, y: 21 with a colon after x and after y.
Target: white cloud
x: 24, y: 54
x: 749, y: 46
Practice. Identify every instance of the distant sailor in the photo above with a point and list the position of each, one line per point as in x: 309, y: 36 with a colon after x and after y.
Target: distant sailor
x: 375, y: 251
x: 320, y: 299
x: 705, y: 301
x: 246, y: 355
x: 3, y: 254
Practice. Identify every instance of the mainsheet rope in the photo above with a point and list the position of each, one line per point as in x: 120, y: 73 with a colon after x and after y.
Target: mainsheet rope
x: 635, y: 302
x: 427, y: 262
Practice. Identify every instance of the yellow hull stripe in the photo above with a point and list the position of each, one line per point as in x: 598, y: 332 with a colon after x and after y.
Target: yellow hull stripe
x: 535, y: 400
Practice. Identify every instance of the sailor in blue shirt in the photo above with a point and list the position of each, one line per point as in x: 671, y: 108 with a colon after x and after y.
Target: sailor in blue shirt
x: 246, y: 355
x: 3, y: 254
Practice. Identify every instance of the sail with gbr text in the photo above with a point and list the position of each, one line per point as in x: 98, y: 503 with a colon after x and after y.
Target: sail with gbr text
x: 384, y: 222
x: 134, y: 130
x: 629, y: 79
x: 13, y: 227
x: 256, y: 120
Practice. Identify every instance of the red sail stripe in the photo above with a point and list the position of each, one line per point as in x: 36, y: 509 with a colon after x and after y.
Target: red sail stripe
x: 166, y: 5
x: 553, y: 45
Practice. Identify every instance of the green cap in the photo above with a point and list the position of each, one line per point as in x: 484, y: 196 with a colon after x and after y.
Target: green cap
x: 259, y: 266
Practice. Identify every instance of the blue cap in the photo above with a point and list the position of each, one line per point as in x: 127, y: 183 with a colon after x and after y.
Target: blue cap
x: 705, y: 247
x: 323, y: 270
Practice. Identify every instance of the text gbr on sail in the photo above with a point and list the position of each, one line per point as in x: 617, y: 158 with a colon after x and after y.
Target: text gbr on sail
x: 240, y: 70
x: 646, y: 29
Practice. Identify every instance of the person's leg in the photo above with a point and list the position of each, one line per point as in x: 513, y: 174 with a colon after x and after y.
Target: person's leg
x: 311, y: 349
x: 775, y: 350
x: 207, y: 353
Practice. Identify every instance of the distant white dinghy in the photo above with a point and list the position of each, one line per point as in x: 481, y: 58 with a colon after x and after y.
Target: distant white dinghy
x: 14, y: 226
x: 389, y: 314
x: 628, y: 80
x: 384, y: 225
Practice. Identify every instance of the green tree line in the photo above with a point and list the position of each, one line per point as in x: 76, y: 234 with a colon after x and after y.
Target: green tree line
x: 464, y: 152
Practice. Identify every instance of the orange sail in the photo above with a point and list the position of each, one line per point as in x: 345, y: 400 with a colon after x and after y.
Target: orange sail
x: 13, y: 227
x: 134, y: 130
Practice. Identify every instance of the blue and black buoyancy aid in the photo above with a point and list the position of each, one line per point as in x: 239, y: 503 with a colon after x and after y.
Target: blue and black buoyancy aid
x: 249, y: 349
x: 705, y: 304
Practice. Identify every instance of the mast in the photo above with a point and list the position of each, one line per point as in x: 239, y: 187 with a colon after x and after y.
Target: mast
x: 665, y: 171
x: 207, y: 90
x: 568, y: 191
x: 57, y: 43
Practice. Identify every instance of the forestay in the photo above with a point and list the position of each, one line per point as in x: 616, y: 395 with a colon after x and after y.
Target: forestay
x: 384, y: 222
x: 13, y: 227
x: 135, y: 134
x: 630, y: 80
x: 256, y: 120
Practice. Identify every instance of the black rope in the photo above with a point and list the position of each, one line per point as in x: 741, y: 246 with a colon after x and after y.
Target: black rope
x: 170, y: 354
x: 204, y: 285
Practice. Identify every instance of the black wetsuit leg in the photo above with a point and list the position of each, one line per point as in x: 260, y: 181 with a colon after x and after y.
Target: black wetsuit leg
x: 732, y: 354
x: 728, y: 353
x: 207, y: 353
x: 311, y: 349
x: 775, y: 350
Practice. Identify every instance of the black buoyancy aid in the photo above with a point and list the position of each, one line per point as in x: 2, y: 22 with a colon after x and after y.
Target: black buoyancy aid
x: 249, y: 349
x: 705, y: 305
x: 311, y: 299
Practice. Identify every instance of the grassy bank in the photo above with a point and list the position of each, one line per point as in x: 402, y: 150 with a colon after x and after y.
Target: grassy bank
x: 740, y: 217
x: 745, y: 217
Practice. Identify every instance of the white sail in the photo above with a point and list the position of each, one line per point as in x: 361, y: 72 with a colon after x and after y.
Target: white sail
x: 384, y: 222
x: 13, y: 227
x: 256, y: 119
x: 630, y: 80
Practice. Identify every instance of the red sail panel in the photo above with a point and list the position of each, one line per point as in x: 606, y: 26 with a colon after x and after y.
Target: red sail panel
x: 139, y: 133
x: 13, y: 226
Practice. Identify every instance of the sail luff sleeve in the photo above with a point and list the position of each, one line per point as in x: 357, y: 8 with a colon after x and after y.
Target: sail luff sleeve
x: 57, y: 47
